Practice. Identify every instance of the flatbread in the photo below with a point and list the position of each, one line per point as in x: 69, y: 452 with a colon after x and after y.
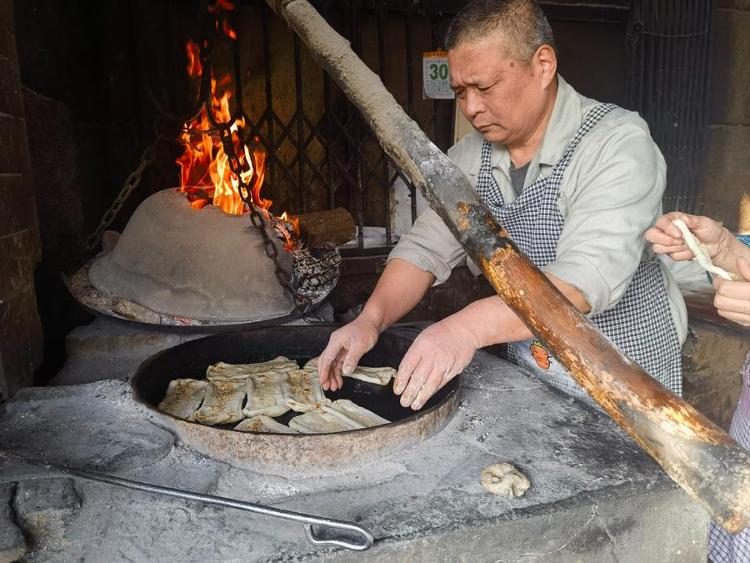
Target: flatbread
x: 700, y: 252
x: 345, y: 407
x: 319, y: 421
x: 264, y: 424
x: 339, y: 416
x: 222, y: 403
x: 378, y: 376
x: 222, y: 371
x: 183, y: 397
x: 266, y: 394
x: 304, y: 392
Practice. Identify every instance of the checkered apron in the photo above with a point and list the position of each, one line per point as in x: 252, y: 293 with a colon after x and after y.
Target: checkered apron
x: 724, y: 547
x: 640, y: 324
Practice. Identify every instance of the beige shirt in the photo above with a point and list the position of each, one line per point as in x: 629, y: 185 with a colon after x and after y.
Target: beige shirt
x: 610, y: 195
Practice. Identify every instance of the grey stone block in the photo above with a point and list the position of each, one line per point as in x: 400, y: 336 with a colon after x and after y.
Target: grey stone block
x: 96, y: 426
x: 43, y: 508
x: 12, y: 542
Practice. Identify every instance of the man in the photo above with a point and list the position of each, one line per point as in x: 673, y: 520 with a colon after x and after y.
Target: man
x: 576, y: 184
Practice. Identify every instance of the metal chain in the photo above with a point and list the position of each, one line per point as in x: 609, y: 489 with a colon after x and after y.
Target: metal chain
x: 131, y: 183
x: 302, y: 303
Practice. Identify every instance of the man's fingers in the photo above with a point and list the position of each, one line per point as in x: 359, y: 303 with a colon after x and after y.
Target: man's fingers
x: 406, y: 367
x: 325, y: 361
x: 434, y: 382
x: 417, y: 380
x: 356, y: 349
x: 335, y: 380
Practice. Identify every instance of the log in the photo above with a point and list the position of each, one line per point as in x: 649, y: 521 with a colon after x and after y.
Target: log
x: 334, y: 225
x: 694, y: 452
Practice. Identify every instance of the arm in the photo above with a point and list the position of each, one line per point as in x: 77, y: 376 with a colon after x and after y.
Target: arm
x: 444, y: 349
x: 424, y: 256
x: 612, y: 197
x: 401, y: 286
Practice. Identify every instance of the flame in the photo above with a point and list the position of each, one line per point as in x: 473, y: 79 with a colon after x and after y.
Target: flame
x: 194, y: 67
x: 205, y: 172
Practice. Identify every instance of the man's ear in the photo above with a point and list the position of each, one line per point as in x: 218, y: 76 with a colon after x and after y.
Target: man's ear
x: 545, y: 61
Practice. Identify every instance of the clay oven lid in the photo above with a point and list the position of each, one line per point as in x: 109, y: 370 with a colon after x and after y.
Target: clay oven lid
x: 199, y: 264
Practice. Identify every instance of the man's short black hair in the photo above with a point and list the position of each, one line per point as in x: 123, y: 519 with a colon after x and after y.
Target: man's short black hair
x: 522, y: 22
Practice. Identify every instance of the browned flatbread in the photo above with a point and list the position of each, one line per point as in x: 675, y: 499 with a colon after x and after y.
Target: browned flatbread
x: 183, y: 397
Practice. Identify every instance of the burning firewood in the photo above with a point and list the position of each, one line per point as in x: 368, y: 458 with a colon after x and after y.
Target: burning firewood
x: 335, y: 226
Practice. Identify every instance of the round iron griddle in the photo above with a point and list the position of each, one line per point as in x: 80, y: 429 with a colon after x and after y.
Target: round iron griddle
x: 292, y: 453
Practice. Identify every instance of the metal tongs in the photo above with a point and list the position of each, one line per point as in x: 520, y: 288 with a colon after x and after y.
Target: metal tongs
x: 327, y: 531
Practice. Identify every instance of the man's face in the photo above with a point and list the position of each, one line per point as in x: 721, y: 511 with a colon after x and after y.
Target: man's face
x: 503, y: 98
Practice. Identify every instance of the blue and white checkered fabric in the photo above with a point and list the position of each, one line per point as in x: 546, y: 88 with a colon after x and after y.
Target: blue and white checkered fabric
x: 641, y: 323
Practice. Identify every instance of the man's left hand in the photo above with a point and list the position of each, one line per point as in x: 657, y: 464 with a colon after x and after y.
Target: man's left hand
x: 438, y: 354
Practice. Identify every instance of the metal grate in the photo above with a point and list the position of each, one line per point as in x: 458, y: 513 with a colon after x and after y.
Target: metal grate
x: 321, y: 154
x: 668, y: 70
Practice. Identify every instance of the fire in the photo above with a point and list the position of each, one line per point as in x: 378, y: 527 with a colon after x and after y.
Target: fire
x: 205, y: 172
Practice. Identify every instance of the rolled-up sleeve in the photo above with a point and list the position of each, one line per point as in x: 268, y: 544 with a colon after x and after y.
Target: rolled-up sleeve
x: 616, y: 197
x: 430, y: 246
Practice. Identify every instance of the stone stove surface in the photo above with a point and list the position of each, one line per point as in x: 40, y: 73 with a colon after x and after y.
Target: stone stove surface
x: 594, y: 494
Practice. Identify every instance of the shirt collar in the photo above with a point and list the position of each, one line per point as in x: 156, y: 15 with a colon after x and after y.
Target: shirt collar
x: 564, y: 122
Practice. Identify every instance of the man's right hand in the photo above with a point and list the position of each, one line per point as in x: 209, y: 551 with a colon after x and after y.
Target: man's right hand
x: 345, y: 348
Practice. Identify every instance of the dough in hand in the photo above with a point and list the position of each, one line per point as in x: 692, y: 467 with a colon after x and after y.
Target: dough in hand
x: 504, y: 480
x: 700, y: 252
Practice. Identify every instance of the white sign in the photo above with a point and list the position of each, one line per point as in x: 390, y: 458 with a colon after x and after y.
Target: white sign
x: 435, y: 77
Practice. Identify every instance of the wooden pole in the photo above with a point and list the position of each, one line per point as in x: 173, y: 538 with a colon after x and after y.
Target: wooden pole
x: 693, y: 451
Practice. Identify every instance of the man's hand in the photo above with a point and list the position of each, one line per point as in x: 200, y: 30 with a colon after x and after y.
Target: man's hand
x: 345, y: 347
x: 438, y: 354
x: 665, y: 238
x: 732, y: 298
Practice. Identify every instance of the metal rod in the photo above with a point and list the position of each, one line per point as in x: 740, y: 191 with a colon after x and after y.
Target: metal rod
x: 329, y: 531
x: 694, y: 452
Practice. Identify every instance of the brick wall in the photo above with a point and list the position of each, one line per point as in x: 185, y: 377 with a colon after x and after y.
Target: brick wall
x: 726, y: 174
x: 20, y: 250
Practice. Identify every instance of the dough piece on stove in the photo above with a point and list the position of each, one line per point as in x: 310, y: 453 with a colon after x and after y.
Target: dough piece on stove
x: 378, y: 376
x: 304, y: 392
x: 222, y: 404
x: 700, y: 252
x: 265, y: 424
x: 266, y: 394
x: 319, y: 421
x: 183, y: 397
x: 352, y: 411
x: 504, y: 480
x: 222, y: 371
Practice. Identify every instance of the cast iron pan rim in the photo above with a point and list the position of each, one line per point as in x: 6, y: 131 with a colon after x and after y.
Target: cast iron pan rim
x: 450, y: 389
